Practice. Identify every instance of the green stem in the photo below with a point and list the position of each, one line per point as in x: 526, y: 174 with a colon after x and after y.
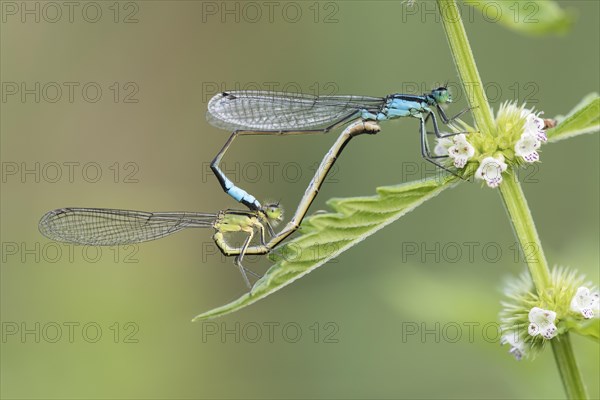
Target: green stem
x: 563, y: 354
x: 465, y: 63
x: 510, y: 189
x: 524, y: 228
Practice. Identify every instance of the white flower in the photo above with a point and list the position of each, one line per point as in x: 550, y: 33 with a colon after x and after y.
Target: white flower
x: 461, y: 150
x: 586, y: 302
x: 535, y: 125
x: 542, y: 323
x: 527, y: 147
x: 532, y: 137
x: 491, y: 170
x: 517, y: 346
x: 441, y: 148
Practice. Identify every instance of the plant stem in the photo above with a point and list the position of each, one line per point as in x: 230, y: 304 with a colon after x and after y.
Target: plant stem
x: 563, y: 354
x: 510, y: 189
x: 524, y: 228
x: 465, y: 63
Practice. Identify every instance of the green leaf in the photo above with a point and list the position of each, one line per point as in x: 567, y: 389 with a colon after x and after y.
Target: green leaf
x: 589, y: 328
x: 584, y: 118
x: 326, y: 235
x: 530, y: 17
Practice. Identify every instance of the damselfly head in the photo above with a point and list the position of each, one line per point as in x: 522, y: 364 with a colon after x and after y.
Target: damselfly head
x: 273, y: 212
x: 441, y: 95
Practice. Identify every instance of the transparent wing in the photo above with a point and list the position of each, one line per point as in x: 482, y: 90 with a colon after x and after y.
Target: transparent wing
x: 108, y: 227
x: 273, y: 111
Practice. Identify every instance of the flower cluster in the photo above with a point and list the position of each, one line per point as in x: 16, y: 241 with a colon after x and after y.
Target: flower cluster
x: 519, y: 134
x: 530, y: 319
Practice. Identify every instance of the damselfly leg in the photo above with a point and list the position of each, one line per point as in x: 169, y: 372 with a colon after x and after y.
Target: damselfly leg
x: 426, y: 153
x: 445, y: 117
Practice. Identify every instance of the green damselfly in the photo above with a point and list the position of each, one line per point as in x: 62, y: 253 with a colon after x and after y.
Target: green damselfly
x: 115, y: 227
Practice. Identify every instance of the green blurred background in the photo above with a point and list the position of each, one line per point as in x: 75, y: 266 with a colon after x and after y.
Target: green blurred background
x: 156, y: 76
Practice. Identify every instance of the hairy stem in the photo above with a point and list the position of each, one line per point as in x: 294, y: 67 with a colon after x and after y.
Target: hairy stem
x: 524, y: 228
x: 465, y: 63
x: 563, y: 354
x: 510, y: 189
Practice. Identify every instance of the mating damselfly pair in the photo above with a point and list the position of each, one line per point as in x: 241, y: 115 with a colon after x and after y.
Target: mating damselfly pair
x: 257, y: 113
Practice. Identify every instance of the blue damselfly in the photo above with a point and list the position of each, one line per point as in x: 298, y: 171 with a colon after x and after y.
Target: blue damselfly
x: 273, y: 113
